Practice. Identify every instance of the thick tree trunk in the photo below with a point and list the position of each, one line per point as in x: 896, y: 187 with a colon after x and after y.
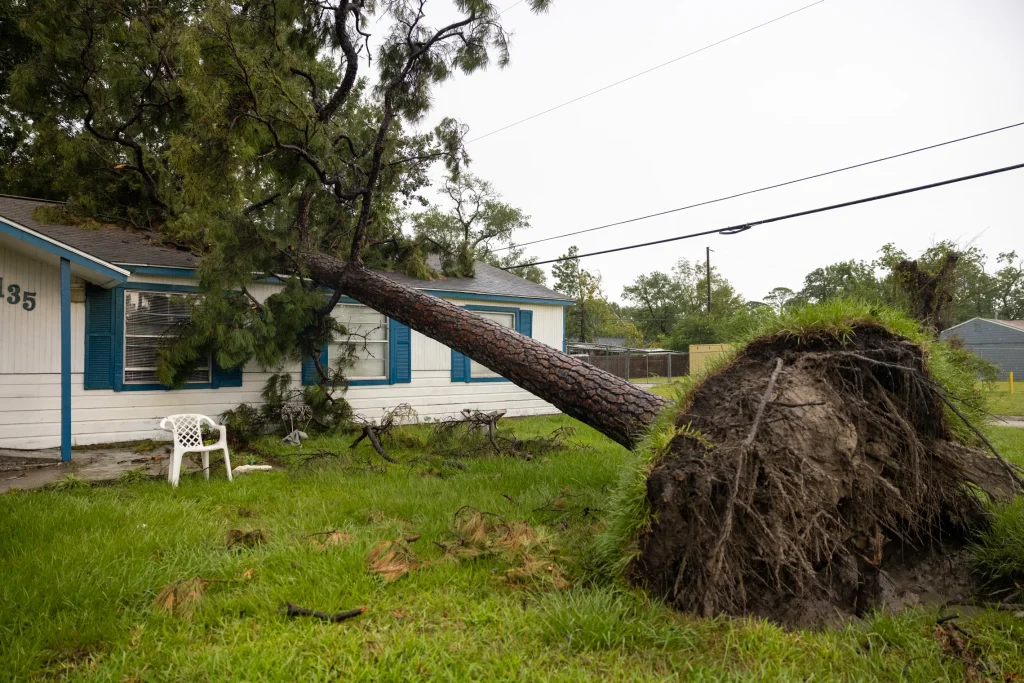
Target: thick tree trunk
x: 617, y: 408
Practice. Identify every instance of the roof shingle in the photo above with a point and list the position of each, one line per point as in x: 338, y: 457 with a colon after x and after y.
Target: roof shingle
x: 110, y: 244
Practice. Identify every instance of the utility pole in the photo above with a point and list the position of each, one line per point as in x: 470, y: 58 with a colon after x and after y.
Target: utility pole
x: 709, y: 279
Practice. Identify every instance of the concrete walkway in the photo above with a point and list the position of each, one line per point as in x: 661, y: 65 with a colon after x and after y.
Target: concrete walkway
x: 34, y: 469
x: 1008, y: 421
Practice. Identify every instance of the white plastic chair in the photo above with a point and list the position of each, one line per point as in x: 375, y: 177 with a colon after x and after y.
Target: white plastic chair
x: 188, y: 438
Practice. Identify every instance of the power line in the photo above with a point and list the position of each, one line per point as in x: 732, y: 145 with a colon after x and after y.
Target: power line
x: 736, y: 229
x: 642, y: 73
x: 770, y: 187
x: 511, y: 7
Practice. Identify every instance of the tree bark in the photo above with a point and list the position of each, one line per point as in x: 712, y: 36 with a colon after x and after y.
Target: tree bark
x: 618, y: 409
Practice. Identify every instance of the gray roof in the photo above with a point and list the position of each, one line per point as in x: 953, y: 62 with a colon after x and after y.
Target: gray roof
x: 1017, y: 325
x: 488, y: 280
x: 108, y: 243
x: 124, y: 248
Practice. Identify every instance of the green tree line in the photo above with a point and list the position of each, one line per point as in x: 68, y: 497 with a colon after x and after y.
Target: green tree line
x: 670, y: 310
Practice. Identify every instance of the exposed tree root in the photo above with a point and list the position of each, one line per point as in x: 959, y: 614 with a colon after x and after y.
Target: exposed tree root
x: 824, y: 484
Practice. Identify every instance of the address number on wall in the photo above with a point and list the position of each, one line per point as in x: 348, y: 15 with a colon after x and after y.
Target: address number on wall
x: 14, y: 295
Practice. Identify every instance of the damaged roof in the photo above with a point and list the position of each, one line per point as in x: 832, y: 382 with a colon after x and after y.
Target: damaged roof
x: 125, y: 248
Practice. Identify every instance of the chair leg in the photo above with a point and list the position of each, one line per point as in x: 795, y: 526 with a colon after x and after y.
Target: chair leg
x: 170, y: 467
x: 175, y: 472
x: 206, y: 465
x: 227, y: 462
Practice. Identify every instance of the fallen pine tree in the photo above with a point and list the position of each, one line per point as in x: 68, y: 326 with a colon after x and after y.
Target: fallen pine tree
x: 822, y: 472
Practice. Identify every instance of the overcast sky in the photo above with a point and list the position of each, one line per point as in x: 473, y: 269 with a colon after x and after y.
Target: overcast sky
x: 842, y: 82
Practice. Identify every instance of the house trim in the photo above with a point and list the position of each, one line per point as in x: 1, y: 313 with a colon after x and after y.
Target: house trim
x: 65, y: 359
x: 61, y: 250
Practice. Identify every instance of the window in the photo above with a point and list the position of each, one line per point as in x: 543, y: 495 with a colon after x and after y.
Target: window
x: 477, y: 371
x: 366, y: 342
x: 152, y: 320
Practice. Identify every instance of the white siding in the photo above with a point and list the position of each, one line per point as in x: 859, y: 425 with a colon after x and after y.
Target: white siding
x: 30, y: 375
x: 29, y: 340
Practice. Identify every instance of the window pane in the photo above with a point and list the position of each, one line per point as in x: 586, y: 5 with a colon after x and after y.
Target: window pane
x: 367, y: 341
x: 151, y: 322
x: 508, y: 320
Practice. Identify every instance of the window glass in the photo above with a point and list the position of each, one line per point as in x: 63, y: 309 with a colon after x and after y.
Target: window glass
x: 366, y: 341
x: 152, y: 320
x: 476, y: 370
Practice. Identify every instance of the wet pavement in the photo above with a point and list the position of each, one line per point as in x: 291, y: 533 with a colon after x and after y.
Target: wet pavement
x: 34, y: 469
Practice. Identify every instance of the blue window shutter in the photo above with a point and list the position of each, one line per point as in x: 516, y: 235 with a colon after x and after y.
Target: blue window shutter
x: 309, y: 373
x: 524, y: 321
x: 222, y: 377
x: 99, y: 338
x: 460, y: 367
x: 400, y: 343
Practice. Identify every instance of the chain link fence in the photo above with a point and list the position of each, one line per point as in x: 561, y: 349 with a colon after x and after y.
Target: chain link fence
x: 636, y: 365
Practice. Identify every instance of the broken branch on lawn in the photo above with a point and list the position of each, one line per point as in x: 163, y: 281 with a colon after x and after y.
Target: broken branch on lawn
x: 296, y: 611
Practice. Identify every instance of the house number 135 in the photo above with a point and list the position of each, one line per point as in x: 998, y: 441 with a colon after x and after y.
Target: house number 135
x: 16, y: 296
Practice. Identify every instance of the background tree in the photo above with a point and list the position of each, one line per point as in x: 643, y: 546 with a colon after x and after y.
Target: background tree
x: 657, y: 301
x: 779, y: 297
x: 477, y: 223
x: 589, y: 305
x: 970, y: 291
x: 846, y: 279
x: 1009, y: 287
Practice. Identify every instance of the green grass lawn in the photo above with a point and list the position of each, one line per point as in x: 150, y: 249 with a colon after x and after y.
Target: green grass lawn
x: 1002, y: 402
x: 82, y: 567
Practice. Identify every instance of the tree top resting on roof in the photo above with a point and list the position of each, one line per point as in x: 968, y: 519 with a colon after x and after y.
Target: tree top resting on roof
x: 244, y: 131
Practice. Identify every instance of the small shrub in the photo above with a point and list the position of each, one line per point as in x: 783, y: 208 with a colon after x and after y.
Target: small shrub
x: 310, y: 409
x: 134, y: 476
x: 69, y: 483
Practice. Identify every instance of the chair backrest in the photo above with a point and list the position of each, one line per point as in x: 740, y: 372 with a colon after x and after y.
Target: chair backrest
x: 187, y: 430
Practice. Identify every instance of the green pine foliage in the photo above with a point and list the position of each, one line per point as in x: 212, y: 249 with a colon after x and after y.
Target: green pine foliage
x: 247, y: 134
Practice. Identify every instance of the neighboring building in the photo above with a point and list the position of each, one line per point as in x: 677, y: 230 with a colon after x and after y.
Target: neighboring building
x: 1001, y: 342
x: 83, y: 313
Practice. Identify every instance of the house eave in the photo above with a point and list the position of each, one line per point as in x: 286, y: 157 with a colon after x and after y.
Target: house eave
x: 88, y: 267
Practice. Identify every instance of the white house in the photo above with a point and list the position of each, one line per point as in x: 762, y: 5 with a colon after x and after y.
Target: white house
x: 83, y: 312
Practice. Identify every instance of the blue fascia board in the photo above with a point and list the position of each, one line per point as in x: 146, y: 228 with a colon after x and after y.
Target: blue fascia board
x: 497, y: 297
x: 493, y: 309
x: 159, y: 287
x: 105, y: 269
x: 161, y: 270
x: 471, y: 380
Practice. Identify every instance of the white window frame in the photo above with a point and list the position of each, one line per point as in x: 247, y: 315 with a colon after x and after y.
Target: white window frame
x: 478, y: 370
x: 359, y: 342
x: 124, y: 345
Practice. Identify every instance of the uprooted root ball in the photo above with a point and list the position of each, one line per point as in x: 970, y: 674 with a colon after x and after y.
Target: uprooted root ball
x: 805, y: 479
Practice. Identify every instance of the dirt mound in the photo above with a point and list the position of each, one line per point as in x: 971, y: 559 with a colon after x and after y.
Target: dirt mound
x: 812, y: 481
